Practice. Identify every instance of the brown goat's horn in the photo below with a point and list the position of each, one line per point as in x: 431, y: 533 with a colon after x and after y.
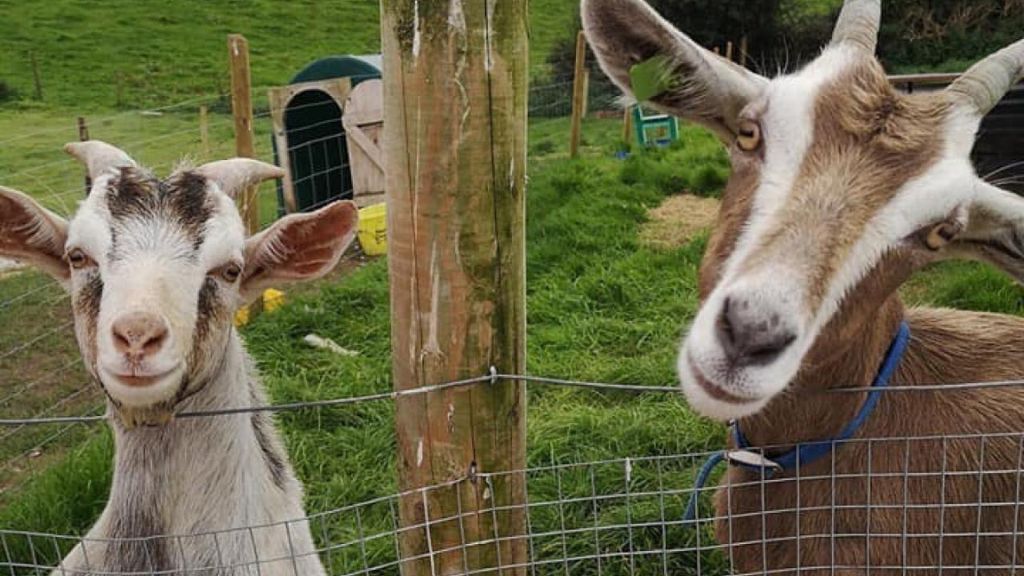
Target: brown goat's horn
x: 985, y: 83
x: 858, y: 24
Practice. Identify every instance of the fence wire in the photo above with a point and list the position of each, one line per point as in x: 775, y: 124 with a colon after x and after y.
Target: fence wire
x: 932, y: 505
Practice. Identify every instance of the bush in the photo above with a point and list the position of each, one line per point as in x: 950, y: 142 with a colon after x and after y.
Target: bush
x: 926, y: 34
x: 7, y: 92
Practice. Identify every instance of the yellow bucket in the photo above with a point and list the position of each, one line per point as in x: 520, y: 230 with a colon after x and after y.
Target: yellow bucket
x: 373, y: 229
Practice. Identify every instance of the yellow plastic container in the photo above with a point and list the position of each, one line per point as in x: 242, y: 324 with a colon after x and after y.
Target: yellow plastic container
x: 272, y: 300
x: 373, y: 229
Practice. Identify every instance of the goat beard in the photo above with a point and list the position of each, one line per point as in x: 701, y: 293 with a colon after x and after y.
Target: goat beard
x: 157, y: 415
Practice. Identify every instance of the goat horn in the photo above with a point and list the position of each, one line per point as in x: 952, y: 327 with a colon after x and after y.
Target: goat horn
x: 858, y: 24
x: 99, y: 157
x: 985, y: 83
x: 238, y: 173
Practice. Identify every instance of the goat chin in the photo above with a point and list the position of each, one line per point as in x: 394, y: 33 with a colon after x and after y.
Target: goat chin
x: 706, y: 405
x: 200, y: 476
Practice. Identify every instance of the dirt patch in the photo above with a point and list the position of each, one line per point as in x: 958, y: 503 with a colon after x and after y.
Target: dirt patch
x: 678, y: 220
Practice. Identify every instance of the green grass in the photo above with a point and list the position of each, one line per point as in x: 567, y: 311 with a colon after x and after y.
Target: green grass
x: 600, y: 307
x: 33, y: 161
x: 95, y: 56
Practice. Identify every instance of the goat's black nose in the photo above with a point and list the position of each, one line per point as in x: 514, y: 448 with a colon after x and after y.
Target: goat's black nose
x: 750, y: 335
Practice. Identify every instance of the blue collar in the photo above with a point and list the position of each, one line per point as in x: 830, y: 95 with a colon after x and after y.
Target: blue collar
x: 808, y: 452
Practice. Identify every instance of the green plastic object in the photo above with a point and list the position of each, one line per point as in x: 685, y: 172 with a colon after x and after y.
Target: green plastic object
x: 319, y: 150
x: 656, y: 129
x: 651, y: 77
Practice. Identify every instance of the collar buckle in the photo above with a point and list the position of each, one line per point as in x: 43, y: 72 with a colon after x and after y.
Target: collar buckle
x: 749, y: 459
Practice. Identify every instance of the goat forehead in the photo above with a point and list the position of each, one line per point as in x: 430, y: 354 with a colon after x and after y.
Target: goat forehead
x: 836, y: 163
x: 182, y: 217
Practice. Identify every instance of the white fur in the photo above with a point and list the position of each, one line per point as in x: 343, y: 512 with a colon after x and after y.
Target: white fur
x: 947, y: 187
x: 211, y: 479
x: 191, y: 478
x: 787, y: 127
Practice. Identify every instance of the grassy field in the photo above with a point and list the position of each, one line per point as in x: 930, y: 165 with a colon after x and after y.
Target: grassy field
x: 33, y: 161
x: 601, y: 307
x: 95, y: 56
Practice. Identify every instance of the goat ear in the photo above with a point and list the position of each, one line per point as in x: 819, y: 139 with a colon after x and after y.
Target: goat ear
x: 33, y: 234
x: 995, y: 230
x: 650, y: 60
x: 99, y: 157
x: 298, y: 247
x: 237, y: 174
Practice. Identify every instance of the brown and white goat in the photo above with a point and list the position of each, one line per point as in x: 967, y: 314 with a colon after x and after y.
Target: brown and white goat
x: 841, y: 188
x: 156, y: 270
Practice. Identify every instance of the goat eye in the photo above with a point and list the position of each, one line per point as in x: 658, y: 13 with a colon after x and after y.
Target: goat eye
x: 748, y: 138
x: 941, y: 234
x: 231, y: 272
x: 78, y: 259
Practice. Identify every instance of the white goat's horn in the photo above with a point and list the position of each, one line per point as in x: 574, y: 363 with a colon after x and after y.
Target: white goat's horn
x: 858, y: 24
x: 985, y: 83
x: 236, y: 174
x: 99, y: 157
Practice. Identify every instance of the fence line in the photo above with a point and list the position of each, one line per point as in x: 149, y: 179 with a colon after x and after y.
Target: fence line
x: 493, y: 378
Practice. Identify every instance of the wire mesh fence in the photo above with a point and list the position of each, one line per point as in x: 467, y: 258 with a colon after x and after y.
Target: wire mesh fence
x: 40, y: 374
x: 873, y: 507
x: 936, y: 503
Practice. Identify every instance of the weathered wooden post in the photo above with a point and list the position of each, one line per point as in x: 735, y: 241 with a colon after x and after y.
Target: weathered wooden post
x: 204, y: 132
x: 455, y: 117
x: 83, y: 135
x: 627, y: 126
x: 743, y: 51
x: 728, y: 50
x: 37, y: 81
x: 241, y: 108
x: 579, y: 95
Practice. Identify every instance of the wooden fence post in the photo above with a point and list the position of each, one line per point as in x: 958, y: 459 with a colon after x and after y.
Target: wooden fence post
x: 37, y: 80
x: 728, y: 50
x: 83, y: 135
x: 241, y: 108
x: 579, y: 95
x: 743, y: 51
x: 627, y: 126
x: 119, y: 89
x: 204, y: 132
x: 456, y: 178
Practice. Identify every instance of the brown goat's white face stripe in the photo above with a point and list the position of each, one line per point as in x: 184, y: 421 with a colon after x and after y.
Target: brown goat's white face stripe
x: 841, y: 187
x: 848, y: 172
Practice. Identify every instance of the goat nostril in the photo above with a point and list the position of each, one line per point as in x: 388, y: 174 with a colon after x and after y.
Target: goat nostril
x: 724, y: 326
x: 139, y: 334
x: 121, y: 343
x: 766, y: 351
x: 750, y: 337
x: 155, y: 341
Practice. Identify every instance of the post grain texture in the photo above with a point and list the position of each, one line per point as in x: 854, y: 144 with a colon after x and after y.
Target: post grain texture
x: 455, y: 97
x: 204, y: 132
x: 241, y: 109
x: 579, y: 95
x: 83, y: 135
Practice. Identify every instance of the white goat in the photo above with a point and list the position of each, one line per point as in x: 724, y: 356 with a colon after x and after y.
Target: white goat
x: 156, y: 270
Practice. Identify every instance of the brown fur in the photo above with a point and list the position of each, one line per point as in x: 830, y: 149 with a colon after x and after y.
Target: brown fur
x: 869, y: 141
x: 946, y: 346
